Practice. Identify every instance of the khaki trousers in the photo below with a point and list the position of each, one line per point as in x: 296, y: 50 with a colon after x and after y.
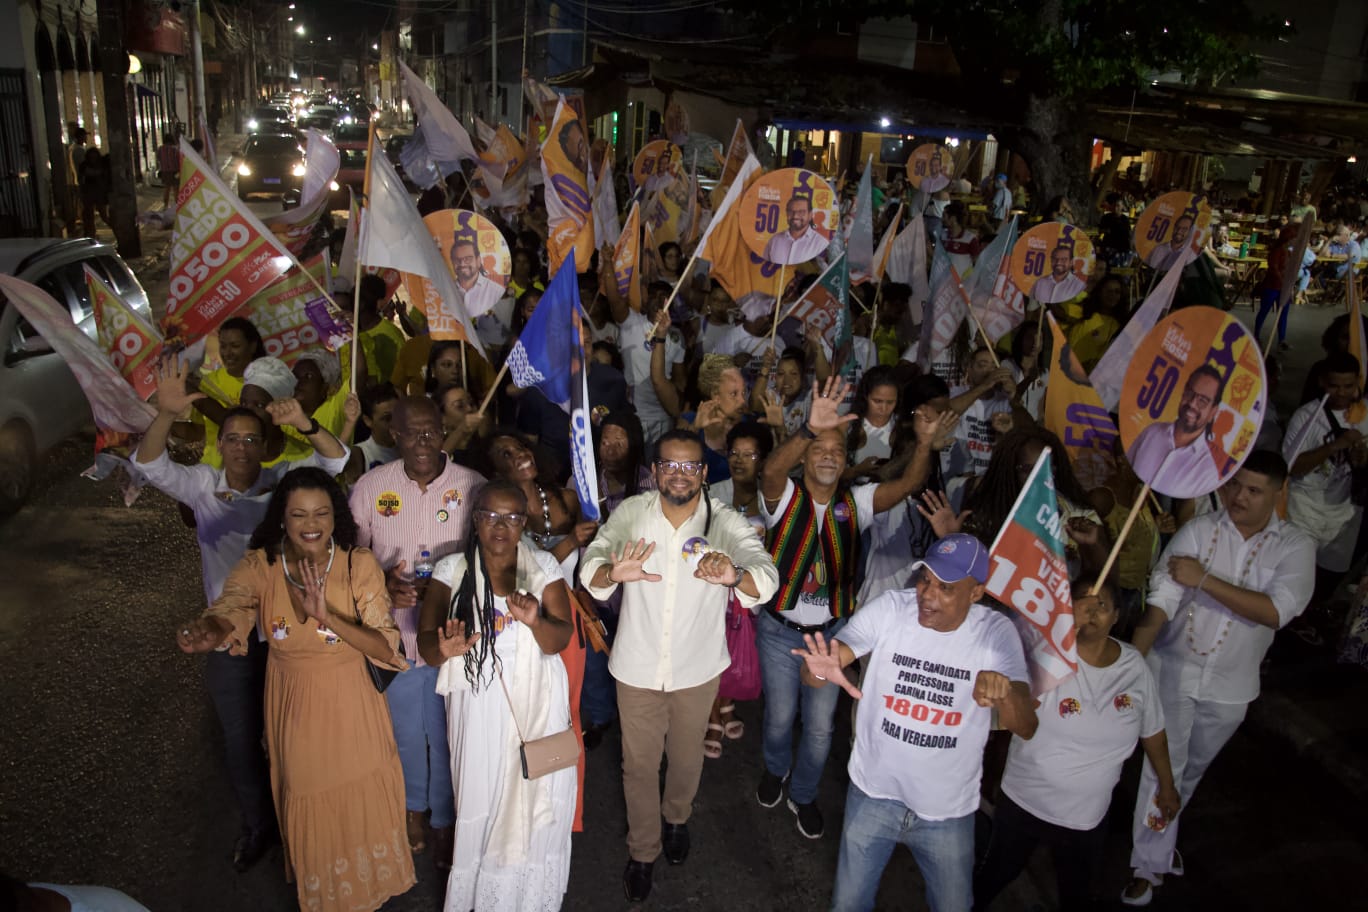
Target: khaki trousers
x: 656, y: 722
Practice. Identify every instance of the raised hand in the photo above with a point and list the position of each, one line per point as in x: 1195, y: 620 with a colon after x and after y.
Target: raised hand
x: 774, y: 410
x: 824, y: 414
x: 452, y: 641
x: 944, y: 434
x: 288, y: 412
x: 1083, y: 530
x: 584, y: 532
x: 823, y: 659
x: 314, y: 603
x: 173, y: 395
x: 524, y: 607
x: 629, y: 566
x: 1002, y: 422
x: 935, y: 509
x: 351, y: 408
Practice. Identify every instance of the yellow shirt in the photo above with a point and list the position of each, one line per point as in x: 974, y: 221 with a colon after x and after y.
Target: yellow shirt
x: 226, y: 390
x: 385, y: 341
x: 1089, y: 338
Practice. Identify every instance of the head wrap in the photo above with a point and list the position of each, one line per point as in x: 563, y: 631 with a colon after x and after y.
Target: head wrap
x: 271, y: 375
x: 328, y: 365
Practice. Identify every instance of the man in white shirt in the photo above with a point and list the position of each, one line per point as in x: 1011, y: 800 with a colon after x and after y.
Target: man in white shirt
x: 1177, y: 455
x: 1061, y: 284
x: 636, y: 343
x: 816, y: 527
x: 1001, y: 209
x: 1224, y: 585
x: 939, y: 665
x: 228, y: 504
x: 1162, y: 256
x: 747, y: 343
x: 801, y: 242
x: 677, y: 553
x: 481, y: 292
x: 984, y: 405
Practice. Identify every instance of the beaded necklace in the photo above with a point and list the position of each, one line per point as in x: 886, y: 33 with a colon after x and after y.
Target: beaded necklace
x: 1239, y: 583
x: 285, y: 565
x: 546, y: 519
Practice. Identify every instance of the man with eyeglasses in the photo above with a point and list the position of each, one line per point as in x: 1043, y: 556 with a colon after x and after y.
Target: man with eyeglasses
x: 228, y: 504
x: 420, y: 501
x: 815, y: 530
x: 481, y: 292
x: 676, y: 552
x: 1181, y: 449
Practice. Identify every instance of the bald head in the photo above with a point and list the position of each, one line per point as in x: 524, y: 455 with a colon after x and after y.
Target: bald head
x: 415, y: 407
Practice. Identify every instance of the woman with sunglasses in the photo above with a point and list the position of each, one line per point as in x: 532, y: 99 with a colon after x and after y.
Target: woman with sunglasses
x: 493, y: 620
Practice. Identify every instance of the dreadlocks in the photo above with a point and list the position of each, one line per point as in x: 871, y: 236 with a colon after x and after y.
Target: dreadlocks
x: 992, y: 498
x: 463, y: 603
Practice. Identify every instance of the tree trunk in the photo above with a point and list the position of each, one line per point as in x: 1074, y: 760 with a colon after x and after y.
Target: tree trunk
x: 1057, y: 147
x: 123, y: 198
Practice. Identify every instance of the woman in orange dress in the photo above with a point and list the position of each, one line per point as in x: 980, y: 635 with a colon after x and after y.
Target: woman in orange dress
x: 335, y: 774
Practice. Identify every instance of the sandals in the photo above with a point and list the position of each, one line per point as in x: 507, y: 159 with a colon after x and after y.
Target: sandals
x: 734, y: 728
x: 712, y: 747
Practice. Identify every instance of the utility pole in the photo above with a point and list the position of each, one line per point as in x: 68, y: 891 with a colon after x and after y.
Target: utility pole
x: 123, y: 200
x: 197, y: 73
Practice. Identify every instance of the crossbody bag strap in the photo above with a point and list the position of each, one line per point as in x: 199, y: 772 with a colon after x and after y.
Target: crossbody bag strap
x: 512, y: 712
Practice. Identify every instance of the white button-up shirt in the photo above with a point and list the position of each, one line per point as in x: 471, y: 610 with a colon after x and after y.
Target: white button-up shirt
x: 672, y: 634
x: 1187, y: 471
x: 1284, y: 570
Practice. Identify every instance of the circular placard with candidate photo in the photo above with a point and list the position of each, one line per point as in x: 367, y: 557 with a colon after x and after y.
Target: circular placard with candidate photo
x: 1173, y: 223
x: 788, y: 216
x: 930, y: 167
x: 1051, y: 263
x: 1192, y: 402
x: 656, y: 165
x: 477, y: 255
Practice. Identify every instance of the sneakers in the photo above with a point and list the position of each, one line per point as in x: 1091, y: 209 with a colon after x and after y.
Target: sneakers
x: 809, y: 819
x: 771, y: 789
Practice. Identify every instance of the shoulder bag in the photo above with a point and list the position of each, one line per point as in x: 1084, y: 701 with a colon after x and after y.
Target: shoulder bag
x: 543, y: 756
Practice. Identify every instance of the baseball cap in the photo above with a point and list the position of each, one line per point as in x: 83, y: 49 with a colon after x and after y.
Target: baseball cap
x: 1001, y: 177
x: 956, y: 556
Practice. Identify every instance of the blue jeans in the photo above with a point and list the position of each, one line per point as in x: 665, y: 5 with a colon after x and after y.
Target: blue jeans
x: 1268, y: 302
x: 419, y: 716
x: 784, y: 696
x: 236, y: 685
x: 943, y: 849
x: 598, y: 698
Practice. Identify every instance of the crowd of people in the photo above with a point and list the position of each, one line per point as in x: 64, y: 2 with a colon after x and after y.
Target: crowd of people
x: 405, y: 598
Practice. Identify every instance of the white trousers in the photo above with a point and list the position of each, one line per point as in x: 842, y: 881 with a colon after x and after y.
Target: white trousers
x: 1196, y: 730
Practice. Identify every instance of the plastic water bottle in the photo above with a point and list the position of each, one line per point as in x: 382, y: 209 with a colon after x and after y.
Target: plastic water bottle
x: 1244, y: 249
x: 422, y: 569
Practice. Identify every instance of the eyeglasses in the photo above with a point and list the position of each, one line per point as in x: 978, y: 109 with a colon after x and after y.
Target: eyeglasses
x: 673, y: 467
x: 243, y: 440
x: 466, y: 260
x: 492, y: 518
x: 1196, y: 399
x: 412, y: 437
x: 738, y: 454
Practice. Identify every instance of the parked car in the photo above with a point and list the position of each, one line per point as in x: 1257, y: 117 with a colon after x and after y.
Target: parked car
x: 271, y: 163
x: 40, y: 402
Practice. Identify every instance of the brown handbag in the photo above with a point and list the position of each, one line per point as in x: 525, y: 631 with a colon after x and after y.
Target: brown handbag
x: 543, y: 756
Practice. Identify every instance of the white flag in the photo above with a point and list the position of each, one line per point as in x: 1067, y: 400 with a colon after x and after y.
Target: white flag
x: 860, y: 238
x: 1110, y: 371
x: 604, y: 197
x: 738, y: 186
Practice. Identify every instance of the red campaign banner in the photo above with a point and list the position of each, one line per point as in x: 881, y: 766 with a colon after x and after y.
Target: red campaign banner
x: 281, y: 314
x: 221, y: 255
x: 131, y: 343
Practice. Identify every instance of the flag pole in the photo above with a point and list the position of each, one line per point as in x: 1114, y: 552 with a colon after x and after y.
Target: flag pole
x: 494, y: 387
x: 683, y: 277
x: 774, y: 329
x: 1120, y: 539
x: 356, y: 282
x: 969, y: 306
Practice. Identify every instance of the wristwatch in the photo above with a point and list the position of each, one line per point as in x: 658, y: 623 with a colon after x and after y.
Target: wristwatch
x: 313, y: 428
x: 740, y: 575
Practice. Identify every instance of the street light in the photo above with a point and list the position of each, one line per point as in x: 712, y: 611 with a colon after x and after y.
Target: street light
x: 299, y: 29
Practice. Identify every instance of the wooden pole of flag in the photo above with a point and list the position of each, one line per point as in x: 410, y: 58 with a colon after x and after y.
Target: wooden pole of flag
x: 969, y: 306
x: 494, y: 387
x: 356, y: 283
x: 465, y: 381
x: 1121, y: 538
x: 683, y: 277
x: 774, y: 329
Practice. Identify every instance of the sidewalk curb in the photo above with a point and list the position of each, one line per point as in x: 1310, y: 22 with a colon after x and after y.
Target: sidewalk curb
x: 1277, y: 715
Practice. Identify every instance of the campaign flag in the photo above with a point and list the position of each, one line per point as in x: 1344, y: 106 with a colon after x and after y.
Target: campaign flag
x: 564, y: 161
x: 1003, y: 305
x: 692, y: 224
x: 500, y: 177
x: 946, y: 309
x: 221, y: 254
x: 1075, y: 414
x: 445, y: 140
x: 885, y: 248
x: 823, y: 302
x: 601, y: 190
x: 542, y: 98
x: 295, y: 226
x: 1357, y: 344
x: 860, y: 236
x: 738, y: 152
x: 1030, y: 574
x: 907, y: 263
x: 1110, y: 370
x: 550, y: 356
x: 281, y: 312
x: 627, y: 260
x: 836, y: 284
x: 393, y: 235
x: 130, y: 341
x: 750, y: 279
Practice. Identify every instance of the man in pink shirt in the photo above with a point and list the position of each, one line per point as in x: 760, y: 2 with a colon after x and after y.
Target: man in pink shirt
x: 420, y: 501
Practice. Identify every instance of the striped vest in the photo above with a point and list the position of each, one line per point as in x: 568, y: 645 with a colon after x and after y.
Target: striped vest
x: 793, y: 543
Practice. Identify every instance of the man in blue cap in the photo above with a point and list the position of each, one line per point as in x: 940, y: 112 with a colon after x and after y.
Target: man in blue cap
x: 939, y: 664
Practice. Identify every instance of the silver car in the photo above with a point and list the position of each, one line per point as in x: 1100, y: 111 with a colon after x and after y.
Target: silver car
x: 40, y: 402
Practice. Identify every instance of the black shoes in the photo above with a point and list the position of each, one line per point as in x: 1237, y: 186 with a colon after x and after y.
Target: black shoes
x: 770, y: 791
x: 251, y: 845
x: 636, y: 880
x: 675, y: 840
x: 809, y: 819
x: 593, y: 735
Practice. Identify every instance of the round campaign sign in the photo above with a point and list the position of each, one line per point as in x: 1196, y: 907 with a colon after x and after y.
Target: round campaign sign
x: 787, y: 216
x: 930, y: 167
x: 1172, y: 223
x: 1192, y: 402
x: 1051, y: 262
x: 656, y: 165
x: 477, y: 255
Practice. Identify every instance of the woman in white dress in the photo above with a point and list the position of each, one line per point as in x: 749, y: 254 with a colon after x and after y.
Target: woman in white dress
x: 495, y: 617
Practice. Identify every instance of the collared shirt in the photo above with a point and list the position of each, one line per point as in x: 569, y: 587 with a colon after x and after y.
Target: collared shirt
x: 672, y: 633
x: 224, y: 518
x: 395, y: 518
x: 481, y: 297
x: 786, y: 249
x: 1283, y: 569
x: 1187, y: 471
x: 1049, y: 290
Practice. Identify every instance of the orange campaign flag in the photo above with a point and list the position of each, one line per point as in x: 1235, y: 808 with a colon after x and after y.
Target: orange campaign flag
x: 737, y: 152
x: 627, y: 260
x: 1075, y: 414
x: 744, y: 274
x: 885, y: 247
x: 564, y: 161
x: 132, y: 344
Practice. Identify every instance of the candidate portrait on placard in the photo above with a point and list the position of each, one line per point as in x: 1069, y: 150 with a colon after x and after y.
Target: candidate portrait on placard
x: 788, y: 216
x: 929, y: 167
x: 1175, y: 222
x: 575, y: 145
x: 1165, y: 255
x: 1060, y: 283
x: 481, y: 292
x: 799, y: 241
x: 1182, y: 448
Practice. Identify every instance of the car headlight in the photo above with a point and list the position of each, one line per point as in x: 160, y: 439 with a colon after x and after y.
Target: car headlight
x: 334, y: 186
x: 244, y: 171
x: 252, y: 124
x: 298, y: 170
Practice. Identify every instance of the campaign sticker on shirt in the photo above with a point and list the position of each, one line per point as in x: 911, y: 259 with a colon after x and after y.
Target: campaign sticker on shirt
x: 1173, y: 223
x: 388, y: 504
x: 1069, y: 707
x: 451, y: 496
x: 788, y: 216
x: 1051, y: 262
x: 443, y: 516
x: 930, y: 167
x: 328, y: 637
x: 1192, y: 401
x: 694, y: 549
x: 280, y: 628
x: 1123, y: 703
x: 840, y: 511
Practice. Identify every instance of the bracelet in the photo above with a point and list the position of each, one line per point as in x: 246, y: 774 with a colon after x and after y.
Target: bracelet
x: 313, y: 428
x: 819, y: 677
x: 610, y: 575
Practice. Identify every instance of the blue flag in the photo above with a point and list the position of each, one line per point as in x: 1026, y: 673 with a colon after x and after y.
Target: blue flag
x: 550, y: 356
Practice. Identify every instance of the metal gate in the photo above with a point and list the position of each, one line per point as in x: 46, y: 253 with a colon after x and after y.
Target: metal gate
x: 18, y: 186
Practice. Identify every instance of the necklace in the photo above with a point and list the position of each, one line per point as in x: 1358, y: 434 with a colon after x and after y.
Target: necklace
x: 1239, y: 582
x: 546, y: 518
x: 285, y: 565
